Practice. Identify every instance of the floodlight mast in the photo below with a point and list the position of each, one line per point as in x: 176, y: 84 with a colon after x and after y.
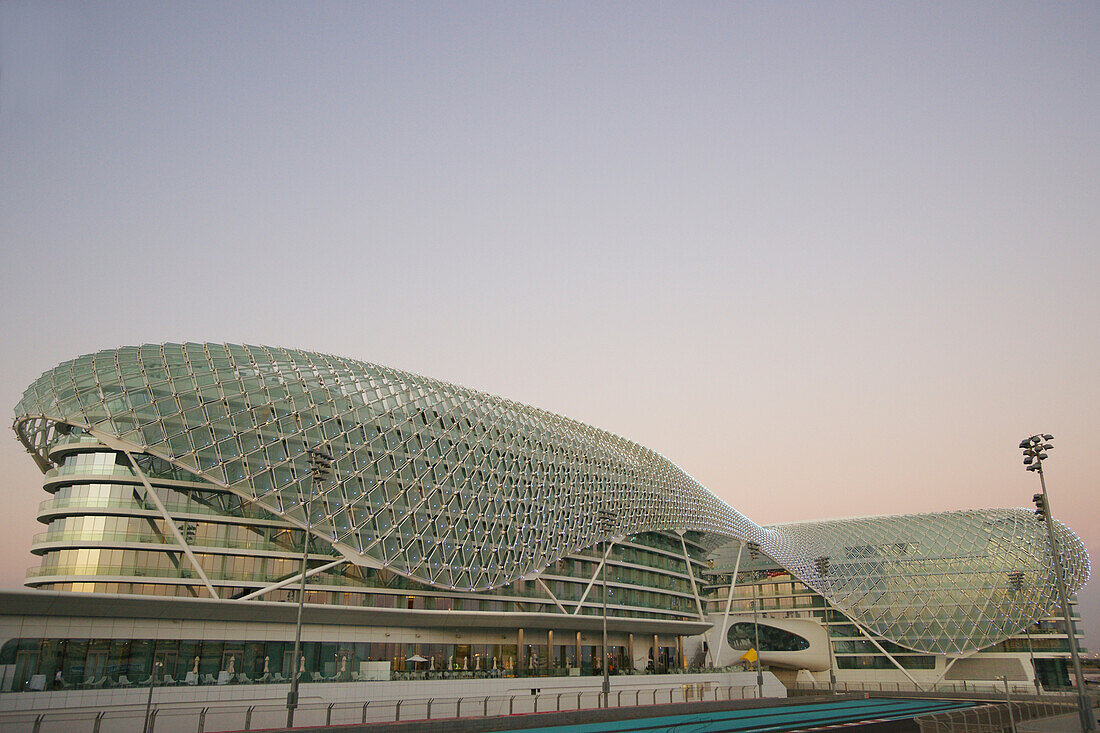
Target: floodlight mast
x: 1035, y: 450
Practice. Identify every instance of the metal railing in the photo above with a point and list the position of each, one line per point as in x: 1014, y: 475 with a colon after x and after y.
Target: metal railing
x: 990, y: 718
x: 1020, y: 690
x: 271, y: 713
x: 995, y: 713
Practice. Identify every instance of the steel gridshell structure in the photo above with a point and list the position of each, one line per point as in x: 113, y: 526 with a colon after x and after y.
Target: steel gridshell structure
x: 460, y: 489
x: 950, y: 582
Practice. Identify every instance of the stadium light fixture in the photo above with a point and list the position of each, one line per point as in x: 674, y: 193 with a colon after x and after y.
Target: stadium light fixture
x: 1035, y: 450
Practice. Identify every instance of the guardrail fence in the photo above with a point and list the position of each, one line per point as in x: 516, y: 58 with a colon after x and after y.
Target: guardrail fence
x: 990, y: 718
x: 1000, y: 713
x: 190, y: 717
x: 256, y: 715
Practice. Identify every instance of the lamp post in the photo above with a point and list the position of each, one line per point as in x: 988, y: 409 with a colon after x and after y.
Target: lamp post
x: 320, y: 468
x: 1016, y: 584
x: 1034, y: 667
x: 821, y: 564
x: 1008, y: 701
x: 754, y: 553
x: 149, y: 700
x: 1035, y: 452
x: 607, y: 522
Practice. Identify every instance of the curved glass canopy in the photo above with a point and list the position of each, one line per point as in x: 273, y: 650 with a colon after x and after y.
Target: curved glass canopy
x: 461, y: 489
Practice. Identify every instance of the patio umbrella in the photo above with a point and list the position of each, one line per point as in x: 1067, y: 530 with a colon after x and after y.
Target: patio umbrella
x: 232, y: 664
x: 431, y: 665
x: 196, y: 668
x: 415, y: 658
x: 267, y: 660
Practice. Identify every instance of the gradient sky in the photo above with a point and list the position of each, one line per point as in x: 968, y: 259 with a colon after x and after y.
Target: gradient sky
x: 832, y: 259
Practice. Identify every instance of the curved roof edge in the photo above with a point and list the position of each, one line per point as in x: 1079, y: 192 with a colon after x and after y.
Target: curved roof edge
x: 461, y: 489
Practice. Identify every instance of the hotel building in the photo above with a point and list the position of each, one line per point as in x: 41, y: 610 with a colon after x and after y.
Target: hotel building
x: 451, y: 533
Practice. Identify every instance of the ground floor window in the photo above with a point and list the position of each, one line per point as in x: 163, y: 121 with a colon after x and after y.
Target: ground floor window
x: 38, y: 664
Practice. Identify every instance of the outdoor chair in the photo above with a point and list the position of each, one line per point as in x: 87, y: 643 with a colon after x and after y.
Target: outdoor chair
x: 243, y: 679
x: 123, y: 681
x: 208, y: 679
x: 278, y: 677
x: 168, y: 680
x: 265, y: 678
x: 96, y: 684
x: 317, y: 677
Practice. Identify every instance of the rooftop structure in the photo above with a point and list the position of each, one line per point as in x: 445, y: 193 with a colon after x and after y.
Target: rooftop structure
x: 457, y: 490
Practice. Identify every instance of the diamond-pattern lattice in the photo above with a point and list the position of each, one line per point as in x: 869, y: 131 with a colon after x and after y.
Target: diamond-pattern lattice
x: 461, y: 489
x: 943, y: 583
x: 445, y: 484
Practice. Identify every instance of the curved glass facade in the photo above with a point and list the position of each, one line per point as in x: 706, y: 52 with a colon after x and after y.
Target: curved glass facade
x: 452, y: 491
x: 104, y: 536
x: 947, y: 582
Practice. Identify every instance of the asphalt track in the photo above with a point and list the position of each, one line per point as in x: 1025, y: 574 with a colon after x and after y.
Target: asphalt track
x: 786, y: 718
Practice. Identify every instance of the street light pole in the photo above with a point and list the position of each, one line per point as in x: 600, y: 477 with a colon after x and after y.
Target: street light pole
x: 607, y: 521
x: 1008, y: 700
x: 149, y: 700
x: 1034, y: 667
x: 320, y: 467
x: 754, y: 553
x: 1035, y: 451
x: 822, y: 566
x: 1016, y: 584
